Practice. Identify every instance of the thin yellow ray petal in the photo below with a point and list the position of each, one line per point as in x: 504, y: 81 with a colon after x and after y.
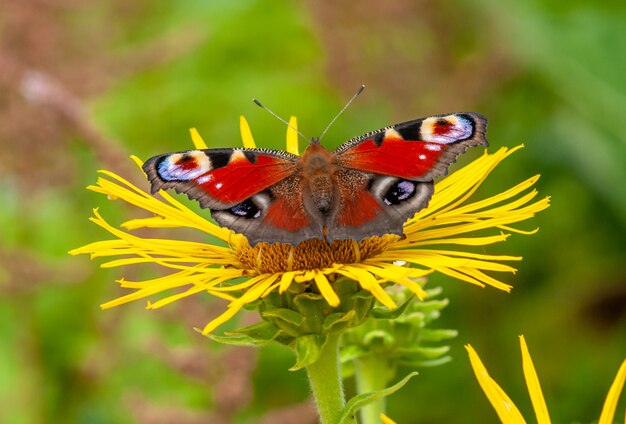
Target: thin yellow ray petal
x: 503, y: 196
x: 270, y: 289
x: 610, y: 404
x: 534, y: 388
x: 292, y: 136
x: 230, y: 312
x: 192, y: 290
x: 197, y: 140
x: 460, y: 185
x: 505, y: 408
x: 386, y: 420
x: 325, y: 289
x: 137, y: 161
x: 515, y: 230
x: 257, y: 290
x: 243, y: 285
x: 369, y: 283
x: 432, y: 259
x: 246, y: 134
x: 285, y: 281
x: 484, y: 278
x: 464, y: 241
x: 222, y: 295
x: 460, y: 276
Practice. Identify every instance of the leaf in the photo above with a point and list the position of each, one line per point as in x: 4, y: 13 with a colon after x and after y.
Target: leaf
x: 381, y: 313
x: 424, y: 351
x: 424, y: 363
x: 351, y: 352
x: 287, y: 320
x: 262, y: 331
x: 234, y: 340
x: 307, y: 350
x: 338, y: 321
x: 363, y: 399
x: 437, y: 335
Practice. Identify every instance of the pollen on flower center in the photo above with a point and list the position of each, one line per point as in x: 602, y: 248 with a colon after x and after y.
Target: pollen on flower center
x: 310, y: 254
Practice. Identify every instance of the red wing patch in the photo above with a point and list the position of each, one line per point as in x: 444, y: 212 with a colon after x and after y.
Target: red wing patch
x: 241, y: 179
x: 394, y: 156
x: 219, y: 176
x: 286, y: 216
x: 357, y: 208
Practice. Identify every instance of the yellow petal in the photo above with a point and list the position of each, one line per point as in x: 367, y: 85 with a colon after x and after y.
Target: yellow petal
x: 386, y: 420
x: 197, y: 140
x: 325, y: 289
x: 505, y: 408
x: 610, y: 404
x: 534, y: 388
x: 246, y: 134
x: 292, y: 136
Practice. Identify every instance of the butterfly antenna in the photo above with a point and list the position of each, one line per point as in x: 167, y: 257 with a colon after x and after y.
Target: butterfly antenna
x: 359, y: 91
x: 258, y: 103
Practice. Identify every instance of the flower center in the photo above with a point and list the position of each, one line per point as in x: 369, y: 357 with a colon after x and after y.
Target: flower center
x: 310, y: 254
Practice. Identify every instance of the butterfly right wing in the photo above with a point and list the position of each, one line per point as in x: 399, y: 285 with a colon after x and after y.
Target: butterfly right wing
x: 255, y: 192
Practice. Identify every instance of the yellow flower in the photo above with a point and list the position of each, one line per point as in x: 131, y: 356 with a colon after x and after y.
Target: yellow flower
x: 506, y: 409
x: 374, y: 262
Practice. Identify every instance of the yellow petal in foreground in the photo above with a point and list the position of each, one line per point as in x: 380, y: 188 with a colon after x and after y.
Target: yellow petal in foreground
x: 508, y: 412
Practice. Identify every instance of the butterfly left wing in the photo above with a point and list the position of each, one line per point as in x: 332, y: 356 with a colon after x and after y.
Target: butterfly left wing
x: 245, y: 189
x: 396, y: 166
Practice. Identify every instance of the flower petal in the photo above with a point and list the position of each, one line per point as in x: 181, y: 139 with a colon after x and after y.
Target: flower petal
x: 197, y: 140
x: 505, y: 408
x: 292, y: 136
x: 534, y: 388
x: 610, y: 404
x: 246, y: 134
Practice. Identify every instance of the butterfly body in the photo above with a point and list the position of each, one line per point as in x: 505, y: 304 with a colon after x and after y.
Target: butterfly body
x: 369, y: 186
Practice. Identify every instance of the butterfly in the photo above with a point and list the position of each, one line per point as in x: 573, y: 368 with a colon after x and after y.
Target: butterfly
x: 368, y: 186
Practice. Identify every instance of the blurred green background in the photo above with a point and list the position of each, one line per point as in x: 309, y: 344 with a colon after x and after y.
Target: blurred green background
x: 85, y: 84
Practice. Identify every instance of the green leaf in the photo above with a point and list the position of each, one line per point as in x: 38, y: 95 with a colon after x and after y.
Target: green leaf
x: 437, y: 335
x: 287, y: 320
x: 351, y: 352
x: 381, y: 313
x: 262, y: 331
x: 307, y: 350
x: 363, y: 399
x: 378, y: 337
x: 315, y: 308
x: 424, y: 352
x: 338, y: 321
x: 432, y: 305
x: 234, y: 340
x: 411, y: 363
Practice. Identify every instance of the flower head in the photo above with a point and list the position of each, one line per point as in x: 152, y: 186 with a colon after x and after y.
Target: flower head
x: 506, y: 409
x: 233, y: 270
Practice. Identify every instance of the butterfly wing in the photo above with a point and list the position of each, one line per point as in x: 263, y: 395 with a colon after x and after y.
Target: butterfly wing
x: 396, y: 167
x: 255, y: 192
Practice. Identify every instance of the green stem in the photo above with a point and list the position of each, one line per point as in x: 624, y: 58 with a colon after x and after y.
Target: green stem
x: 325, y: 378
x: 371, y: 374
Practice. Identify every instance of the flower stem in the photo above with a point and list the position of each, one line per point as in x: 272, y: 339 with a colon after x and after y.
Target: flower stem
x: 371, y: 374
x: 326, y: 384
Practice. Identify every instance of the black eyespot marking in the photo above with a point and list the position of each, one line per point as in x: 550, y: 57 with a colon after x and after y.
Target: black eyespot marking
x: 186, y: 157
x: 400, y: 191
x: 219, y: 159
x: 409, y: 132
x: 378, y: 139
x: 246, y: 209
x: 250, y: 156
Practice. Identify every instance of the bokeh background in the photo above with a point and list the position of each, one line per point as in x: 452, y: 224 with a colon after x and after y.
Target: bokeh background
x: 83, y: 84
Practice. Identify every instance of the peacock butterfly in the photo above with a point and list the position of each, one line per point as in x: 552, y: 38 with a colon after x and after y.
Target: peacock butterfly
x: 368, y: 186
